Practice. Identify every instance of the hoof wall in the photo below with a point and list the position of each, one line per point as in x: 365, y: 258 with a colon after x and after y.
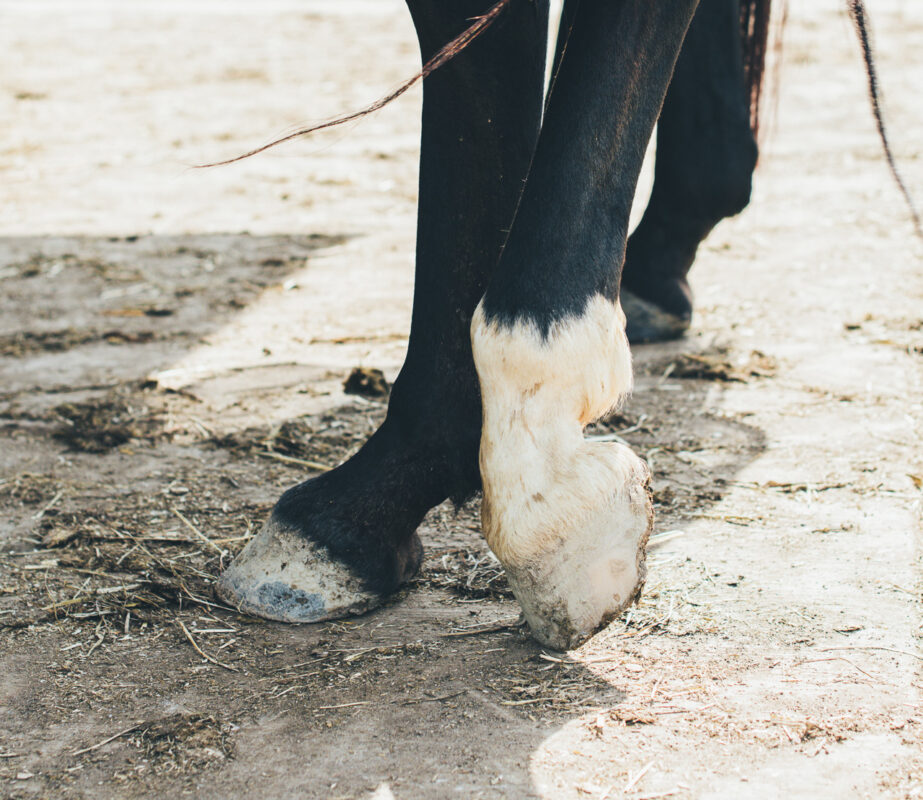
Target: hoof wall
x: 595, y: 572
x: 649, y: 323
x: 281, y: 575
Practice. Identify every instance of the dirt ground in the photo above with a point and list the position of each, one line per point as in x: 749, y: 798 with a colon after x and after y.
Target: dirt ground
x: 173, y: 346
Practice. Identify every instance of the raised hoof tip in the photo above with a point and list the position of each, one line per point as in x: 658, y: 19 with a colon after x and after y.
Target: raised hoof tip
x: 281, y: 575
x: 647, y: 322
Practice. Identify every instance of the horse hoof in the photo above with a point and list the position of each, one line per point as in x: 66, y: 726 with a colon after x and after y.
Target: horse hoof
x: 647, y: 322
x: 595, y: 569
x: 281, y: 575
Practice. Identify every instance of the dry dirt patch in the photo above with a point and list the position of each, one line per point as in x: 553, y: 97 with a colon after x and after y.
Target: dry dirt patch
x: 197, y: 338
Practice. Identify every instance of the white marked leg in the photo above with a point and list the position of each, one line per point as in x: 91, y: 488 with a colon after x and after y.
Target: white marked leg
x: 568, y: 518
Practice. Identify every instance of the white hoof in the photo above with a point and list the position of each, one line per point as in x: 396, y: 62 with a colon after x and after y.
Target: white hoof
x: 281, y: 575
x: 595, y: 570
x: 568, y: 518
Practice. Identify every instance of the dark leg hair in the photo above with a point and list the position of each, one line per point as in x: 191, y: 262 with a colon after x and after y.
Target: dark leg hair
x: 481, y: 116
x: 705, y: 158
x: 569, y: 234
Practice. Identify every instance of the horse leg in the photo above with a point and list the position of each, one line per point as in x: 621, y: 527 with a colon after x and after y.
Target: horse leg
x: 706, y: 153
x: 338, y: 543
x: 569, y: 518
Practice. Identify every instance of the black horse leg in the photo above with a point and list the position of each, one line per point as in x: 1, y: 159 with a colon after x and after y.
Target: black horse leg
x: 337, y: 543
x: 569, y: 518
x: 704, y: 161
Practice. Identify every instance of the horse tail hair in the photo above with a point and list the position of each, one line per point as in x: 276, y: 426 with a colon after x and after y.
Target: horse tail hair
x: 754, y: 30
x: 860, y: 20
x: 443, y: 56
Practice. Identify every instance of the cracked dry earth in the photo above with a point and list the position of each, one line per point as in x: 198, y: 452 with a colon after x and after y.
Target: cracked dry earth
x: 173, y: 346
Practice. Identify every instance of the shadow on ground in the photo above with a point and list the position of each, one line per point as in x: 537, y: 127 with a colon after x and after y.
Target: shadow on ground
x: 122, y: 499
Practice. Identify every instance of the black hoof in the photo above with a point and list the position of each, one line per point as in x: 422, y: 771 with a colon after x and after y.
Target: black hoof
x: 647, y: 322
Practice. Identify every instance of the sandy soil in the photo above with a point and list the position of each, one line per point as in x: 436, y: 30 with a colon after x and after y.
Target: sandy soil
x: 173, y: 345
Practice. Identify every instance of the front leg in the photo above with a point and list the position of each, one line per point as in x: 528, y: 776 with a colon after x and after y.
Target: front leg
x: 568, y: 518
x: 339, y: 543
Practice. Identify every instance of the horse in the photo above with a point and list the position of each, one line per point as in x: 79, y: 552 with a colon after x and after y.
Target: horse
x: 528, y: 291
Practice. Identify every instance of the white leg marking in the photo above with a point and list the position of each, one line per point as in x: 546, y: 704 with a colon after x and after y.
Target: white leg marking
x: 567, y: 518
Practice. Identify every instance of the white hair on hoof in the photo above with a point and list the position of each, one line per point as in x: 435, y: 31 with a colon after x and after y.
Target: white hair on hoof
x: 568, y: 518
x: 281, y: 575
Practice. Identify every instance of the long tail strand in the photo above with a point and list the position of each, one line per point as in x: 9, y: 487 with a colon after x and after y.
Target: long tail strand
x: 446, y: 54
x: 860, y: 21
x: 754, y: 28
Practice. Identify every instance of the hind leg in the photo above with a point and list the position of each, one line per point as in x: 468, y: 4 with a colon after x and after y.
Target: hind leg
x: 568, y: 518
x: 337, y: 544
x: 704, y: 161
